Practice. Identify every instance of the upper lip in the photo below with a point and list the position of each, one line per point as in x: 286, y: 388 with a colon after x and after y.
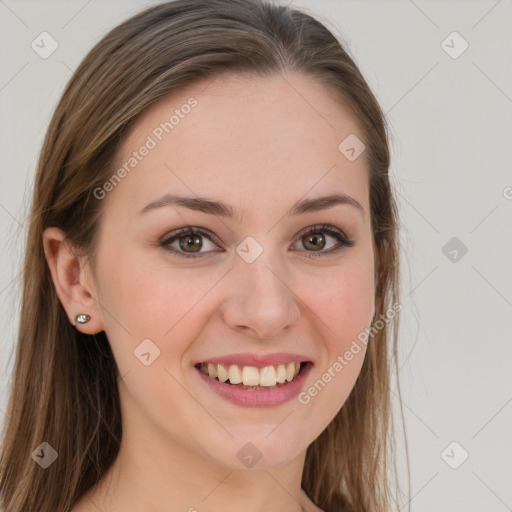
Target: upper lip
x: 257, y: 360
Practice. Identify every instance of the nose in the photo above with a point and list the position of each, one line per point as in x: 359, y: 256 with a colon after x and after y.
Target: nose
x: 261, y: 302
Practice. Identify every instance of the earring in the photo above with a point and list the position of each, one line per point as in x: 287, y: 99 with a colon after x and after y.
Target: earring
x: 82, y: 318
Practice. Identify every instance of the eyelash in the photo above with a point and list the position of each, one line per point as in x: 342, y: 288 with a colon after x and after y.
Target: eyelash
x: 323, y: 228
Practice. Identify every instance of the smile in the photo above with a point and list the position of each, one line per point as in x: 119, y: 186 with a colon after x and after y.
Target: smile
x: 251, y: 377
x: 255, y: 380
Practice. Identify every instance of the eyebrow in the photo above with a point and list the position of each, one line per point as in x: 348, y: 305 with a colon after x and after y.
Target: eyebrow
x: 212, y: 207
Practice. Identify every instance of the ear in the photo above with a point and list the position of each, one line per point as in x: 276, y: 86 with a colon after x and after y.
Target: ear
x: 72, y: 282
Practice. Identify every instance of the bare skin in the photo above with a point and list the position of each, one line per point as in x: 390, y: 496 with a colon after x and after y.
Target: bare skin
x: 258, y: 145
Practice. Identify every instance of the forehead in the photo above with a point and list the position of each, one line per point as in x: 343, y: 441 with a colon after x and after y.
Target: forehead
x: 248, y: 138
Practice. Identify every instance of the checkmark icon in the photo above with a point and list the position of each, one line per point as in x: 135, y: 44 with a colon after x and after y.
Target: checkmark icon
x: 454, y: 249
x: 454, y: 45
x: 45, y: 455
x: 351, y: 147
x: 454, y: 455
x: 44, y: 45
x: 249, y: 249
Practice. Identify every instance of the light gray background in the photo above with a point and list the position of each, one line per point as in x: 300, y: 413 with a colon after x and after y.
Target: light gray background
x: 450, y: 123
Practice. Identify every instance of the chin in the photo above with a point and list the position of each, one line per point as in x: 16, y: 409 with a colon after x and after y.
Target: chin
x: 263, y: 447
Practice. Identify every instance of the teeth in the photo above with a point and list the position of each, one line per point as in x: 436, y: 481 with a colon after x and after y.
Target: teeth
x: 234, y: 374
x: 290, y: 371
x: 267, y: 376
x: 281, y: 373
x: 250, y: 376
x: 222, y: 373
x: 212, y: 370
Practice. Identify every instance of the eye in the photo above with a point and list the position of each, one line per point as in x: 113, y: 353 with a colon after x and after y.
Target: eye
x: 189, y: 242
x: 315, y: 238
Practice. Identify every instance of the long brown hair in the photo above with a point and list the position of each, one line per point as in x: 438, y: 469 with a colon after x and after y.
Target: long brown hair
x: 64, y: 388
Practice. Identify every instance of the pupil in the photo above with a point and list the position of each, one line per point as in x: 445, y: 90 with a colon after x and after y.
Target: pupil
x: 314, y: 239
x: 191, y: 240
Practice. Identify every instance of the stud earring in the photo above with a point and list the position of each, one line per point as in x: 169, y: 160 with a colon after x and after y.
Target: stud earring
x: 82, y: 318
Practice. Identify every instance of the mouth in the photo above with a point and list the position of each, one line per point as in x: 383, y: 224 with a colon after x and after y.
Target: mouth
x: 254, y: 378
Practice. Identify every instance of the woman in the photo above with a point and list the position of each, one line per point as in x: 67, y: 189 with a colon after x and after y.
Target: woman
x: 211, y: 276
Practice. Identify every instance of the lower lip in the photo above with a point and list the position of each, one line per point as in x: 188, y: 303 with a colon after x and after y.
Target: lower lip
x: 258, y: 398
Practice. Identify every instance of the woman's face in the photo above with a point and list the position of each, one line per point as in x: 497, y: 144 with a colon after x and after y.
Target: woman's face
x: 259, y: 284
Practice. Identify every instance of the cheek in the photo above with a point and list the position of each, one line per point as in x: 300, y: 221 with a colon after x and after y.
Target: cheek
x: 345, y: 301
x: 146, y: 300
x: 344, y: 308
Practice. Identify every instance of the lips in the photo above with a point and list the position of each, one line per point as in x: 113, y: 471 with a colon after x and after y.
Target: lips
x: 257, y: 396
